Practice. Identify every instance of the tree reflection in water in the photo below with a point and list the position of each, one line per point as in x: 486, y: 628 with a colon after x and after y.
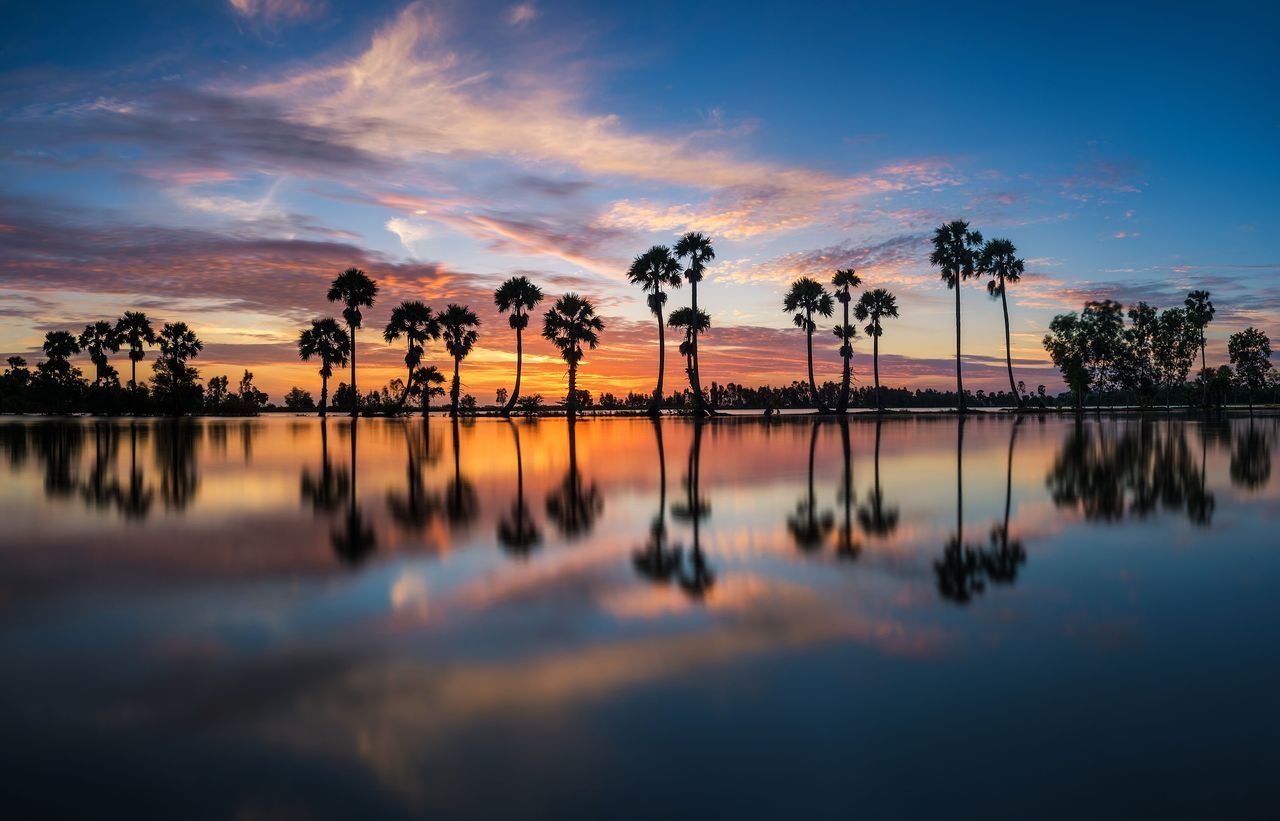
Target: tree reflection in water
x: 656, y: 560
x: 696, y: 576
x: 1136, y: 470
x: 415, y: 507
x: 175, y: 455
x: 1251, y: 457
x: 847, y: 544
x: 809, y: 526
x: 876, y: 518
x: 460, y: 505
x: 354, y: 540
x: 328, y: 489
x: 575, y: 505
x: 517, y: 532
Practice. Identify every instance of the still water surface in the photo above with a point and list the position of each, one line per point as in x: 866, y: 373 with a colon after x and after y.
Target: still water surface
x: 284, y: 618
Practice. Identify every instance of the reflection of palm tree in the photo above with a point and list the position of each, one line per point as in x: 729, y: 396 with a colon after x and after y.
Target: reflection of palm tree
x: 517, y: 531
x: 136, y: 500
x: 460, y: 495
x: 1001, y: 563
x: 1251, y: 458
x: 354, y: 540
x: 808, y: 526
x: 958, y: 571
x: 698, y: 577
x: 58, y: 447
x: 175, y: 457
x: 415, y: 507
x: 847, y: 545
x: 327, y: 490
x: 655, y: 560
x: 576, y: 504
x: 102, y: 488
x: 875, y: 518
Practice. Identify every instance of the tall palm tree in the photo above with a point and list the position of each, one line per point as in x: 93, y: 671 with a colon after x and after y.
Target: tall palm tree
x: 427, y: 383
x: 652, y: 270
x: 692, y: 323
x: 1200, y: 312
x: 999, y: 260
x: 519, y: 296
x: 355, y: 290
x: 696, y: 248
x: 570, y: 324
x: 97, y: 339
x: 416, y: 323
x: 806, y: 298
x: 844, y: 281
x: 136, y: 332
x: 955, y: 250
x: 874, y: 307
x: 458, y: 326
x: 327, y: 341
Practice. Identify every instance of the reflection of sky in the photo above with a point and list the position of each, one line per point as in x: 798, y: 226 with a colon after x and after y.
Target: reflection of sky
x: 219, y: 162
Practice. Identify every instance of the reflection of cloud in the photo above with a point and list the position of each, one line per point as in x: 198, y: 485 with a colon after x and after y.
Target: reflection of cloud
x: 409, y: 592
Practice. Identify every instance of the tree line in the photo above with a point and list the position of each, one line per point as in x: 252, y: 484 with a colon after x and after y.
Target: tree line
x: 1097, y: 355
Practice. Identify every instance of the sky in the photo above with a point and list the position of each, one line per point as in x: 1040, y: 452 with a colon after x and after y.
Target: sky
x: 220, y: 162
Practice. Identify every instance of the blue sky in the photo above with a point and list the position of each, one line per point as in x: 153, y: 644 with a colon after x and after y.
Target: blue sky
x: 218, y: 161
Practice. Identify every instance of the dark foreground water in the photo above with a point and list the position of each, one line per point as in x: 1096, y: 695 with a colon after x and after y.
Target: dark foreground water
x: 223, y: 619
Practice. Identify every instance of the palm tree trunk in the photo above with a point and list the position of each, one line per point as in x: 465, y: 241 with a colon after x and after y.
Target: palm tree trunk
x: 875, y: 367
x: 877, y: 465
x: 355, y: 394
x: 813, y: 386
x: 960, y: 481
x: 813, y: 449
x: 1008, y: 351
x: 133, y: 383
x: 1204, y: 379
x: 1008, y: 477
x: 324, y: 394
x: 959, y: 375
x: 848, y: 482
x: 844, y: 385
x: 572, y: 408
x: 655, y: 407
x: 695, y: 379
x: 515, y: 392
x: 455, y: 389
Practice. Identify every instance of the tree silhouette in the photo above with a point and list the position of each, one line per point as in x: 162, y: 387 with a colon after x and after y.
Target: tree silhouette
x: 134, y: 330
x: 655, y: 560
x: 174, y: 381
x: 327, y: 341
x: 428, y: 382
x: 999, y: 260
x: 175, y: 454
x: 414, y: 321
x: 1250, y: 353
x: 806, y: 298
x: 847, y: 545
x: 458, y: 326
x: 575, y: 505
x: 354, y: 540
x: 517, y: 532
x: 1200, y: 313
x: 99, y: 339
x: 518, y: 296
x: 692, y: 323
x: 136, y: 498
x: 569, y: 325
x: 1251, y: 458
x: 955, y: 251
x: 328, y: 489
x: 696, y: 248
x: 877, y: 519
x: 697, y: 577
x: 651, y: 271
x: 415, y: 507
x: 874, y: 307
x: 355, y: 290
x: 844, y: 281
x: 808, y: 525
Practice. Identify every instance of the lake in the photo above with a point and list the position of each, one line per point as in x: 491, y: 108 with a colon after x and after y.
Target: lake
x: 281, y: 618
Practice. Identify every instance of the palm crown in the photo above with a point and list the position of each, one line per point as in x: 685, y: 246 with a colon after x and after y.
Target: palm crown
x: 696, y: 247
x: 354, y: 289
x: 807, y: 297
x: 178, y: 342
x: 519, y: 296
x: 1199, y: 309
x: 60, y: 345
x: 97, y: 339
x: 691, y: 323
x: 135, y: 330
x: 416, y: 323
x: 955, y: 251
x: 652, y: 270
x: 875, y: 305
x: 457, y: 327
x: 999, y: 260
x: 570, y: 324
x: 327, y: 341
x: 845, y: 280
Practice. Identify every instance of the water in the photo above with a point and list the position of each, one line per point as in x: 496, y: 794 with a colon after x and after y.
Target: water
x: 1044, y: 619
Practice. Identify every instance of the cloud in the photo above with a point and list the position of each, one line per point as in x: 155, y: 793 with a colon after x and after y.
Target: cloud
x: 277, y: 11
x: 408, y: 231
x: 522, y: 14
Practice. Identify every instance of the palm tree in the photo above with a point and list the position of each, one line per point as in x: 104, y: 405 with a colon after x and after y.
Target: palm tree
x: 97, y: 340
x: 999, y: 260
x: 873, y: 307
x: 845, y: 280
x: 427, y: 382
x: 1200, y: 311
x: 651, y: 270
x: 519, y: 296
x: 327, y: 341
x: 808, y: 526
x: 696, y: 247
x: 692, y: 323
x: 354, y: 289
x: 570, y: 324
x: 457, y: 326
x: 416, y: 323
x: 135, y: 331
x: 517, y: 532
x: 955, y: 250
x: 807, y: 297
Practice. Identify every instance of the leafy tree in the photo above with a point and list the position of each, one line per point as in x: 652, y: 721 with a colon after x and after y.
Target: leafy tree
x: 517, y: 296
x: 955, y: 253
x: 1068, y: 346
x: 806, y: 298
x: 355, y: 290
x: 651, y: 271
x: 1250, y: 354
x: 299, y: 400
